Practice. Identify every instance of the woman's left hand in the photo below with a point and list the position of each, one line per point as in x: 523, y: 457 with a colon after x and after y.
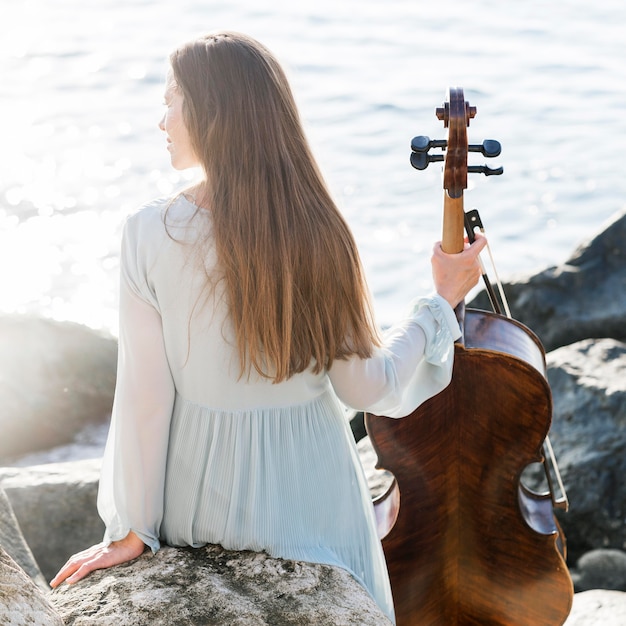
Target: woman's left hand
x: 100, y: 556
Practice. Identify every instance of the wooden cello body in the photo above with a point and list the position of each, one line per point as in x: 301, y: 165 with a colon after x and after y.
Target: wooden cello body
x: 466, y: 543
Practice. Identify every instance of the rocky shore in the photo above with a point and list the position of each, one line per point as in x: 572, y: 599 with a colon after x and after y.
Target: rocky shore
x: 56, y: 380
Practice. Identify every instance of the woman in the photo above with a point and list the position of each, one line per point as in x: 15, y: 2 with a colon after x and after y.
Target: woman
x: 244, y: 315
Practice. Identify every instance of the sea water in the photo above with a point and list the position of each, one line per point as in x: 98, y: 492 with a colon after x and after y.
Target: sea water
x: 81, y: 97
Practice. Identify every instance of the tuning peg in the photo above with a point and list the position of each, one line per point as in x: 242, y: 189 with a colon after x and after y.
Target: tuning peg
x: 420, y: 160
x: 424, y: 144
x: 489, y: 148
x: 483, y: 169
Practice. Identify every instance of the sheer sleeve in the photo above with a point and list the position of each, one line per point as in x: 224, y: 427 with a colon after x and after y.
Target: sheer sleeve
x: 414, y: 363
x: 130, y: 496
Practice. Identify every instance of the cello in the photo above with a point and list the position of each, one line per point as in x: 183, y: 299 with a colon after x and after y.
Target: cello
x: 466, y: 542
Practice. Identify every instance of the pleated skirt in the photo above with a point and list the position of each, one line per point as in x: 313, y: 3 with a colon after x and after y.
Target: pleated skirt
x: 286, y: 481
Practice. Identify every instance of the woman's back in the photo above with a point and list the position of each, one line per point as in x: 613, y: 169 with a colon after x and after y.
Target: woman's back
x: 167, y: 270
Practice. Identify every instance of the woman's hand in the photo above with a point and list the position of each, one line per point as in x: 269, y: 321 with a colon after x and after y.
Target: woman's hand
x: 99, y: 556
x: 455, y: 274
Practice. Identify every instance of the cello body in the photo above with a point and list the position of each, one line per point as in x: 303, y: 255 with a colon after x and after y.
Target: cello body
x: 467, y: 543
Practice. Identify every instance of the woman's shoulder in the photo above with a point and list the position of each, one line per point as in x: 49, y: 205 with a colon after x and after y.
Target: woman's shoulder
x: 153, y: 210
x: 157, y: 214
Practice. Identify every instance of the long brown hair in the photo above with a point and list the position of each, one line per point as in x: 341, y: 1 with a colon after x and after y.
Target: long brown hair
x: 294, y: 281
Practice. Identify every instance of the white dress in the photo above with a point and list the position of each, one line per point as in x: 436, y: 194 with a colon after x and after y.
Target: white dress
x: 198, y: 455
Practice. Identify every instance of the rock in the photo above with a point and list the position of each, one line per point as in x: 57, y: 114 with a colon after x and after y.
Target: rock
x: 55, y: 377
x: 22, y: 603
x: 378, y: 480
x: 357, y: 425
x: 88, y: 443
x: 55, y: 506
x: 588, y: 381
x: 583, y: 298
x: 600, y: 569
x: 12, y: 541
x: 212, y: 586
x: 598, y: 608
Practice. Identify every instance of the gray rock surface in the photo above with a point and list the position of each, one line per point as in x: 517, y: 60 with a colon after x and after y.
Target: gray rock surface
x: 598, y: 608
x: 588, y: 433
x: 14, y: 544
x: 583, y: 298
x: 22, y: 603
x: 378, y: 480
x: 55, y: 378
x: 55, y: 506
x: 212, y: 586
x: 600, y: 569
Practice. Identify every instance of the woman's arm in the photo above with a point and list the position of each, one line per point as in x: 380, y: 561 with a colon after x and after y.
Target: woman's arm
x: 415, y: 361
x: 130, y: 496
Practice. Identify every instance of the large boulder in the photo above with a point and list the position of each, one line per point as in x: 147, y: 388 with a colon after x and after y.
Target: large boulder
x: 600, y: 569
x: 583, y: 298
x: 598, y: 608
x: 55, y: 506
x: 212, y: 586
x: 55, y: 378
x: 588, y: 433
x: 22, y: 603
x: 13, y: 542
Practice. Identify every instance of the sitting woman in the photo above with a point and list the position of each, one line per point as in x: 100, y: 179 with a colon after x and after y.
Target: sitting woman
x: 244, y: 321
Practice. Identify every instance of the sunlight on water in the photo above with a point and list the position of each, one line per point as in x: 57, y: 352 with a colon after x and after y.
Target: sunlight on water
x: 81, y: 94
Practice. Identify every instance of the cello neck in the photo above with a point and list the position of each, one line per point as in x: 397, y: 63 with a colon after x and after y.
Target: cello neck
x: 453, y: 229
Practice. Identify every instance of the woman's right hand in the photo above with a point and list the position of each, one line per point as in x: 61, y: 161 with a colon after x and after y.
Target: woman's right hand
x: 100, y: 556
x: 455, y: 274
